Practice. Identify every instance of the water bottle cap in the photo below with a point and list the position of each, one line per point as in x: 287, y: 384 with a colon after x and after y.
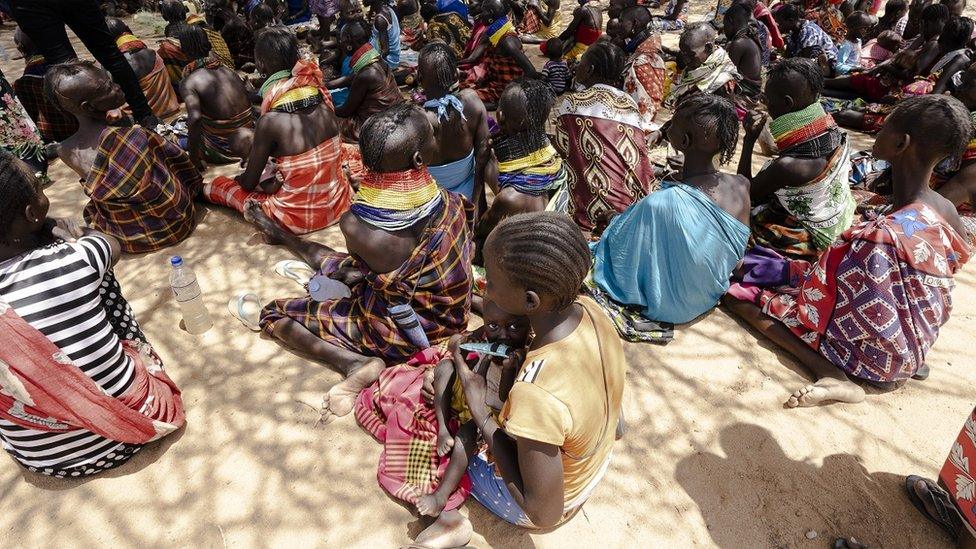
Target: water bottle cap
x: 176, y: 261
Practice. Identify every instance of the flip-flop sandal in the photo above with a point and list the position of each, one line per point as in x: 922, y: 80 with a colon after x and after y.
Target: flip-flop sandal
x: 922, y: 373
x: 291, y: 269
x: 943, y: 507
x: 236, y: 308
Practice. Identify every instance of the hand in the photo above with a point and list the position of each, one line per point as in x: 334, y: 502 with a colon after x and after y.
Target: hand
x: 475, y: 387
x: 514, y: 360
x: 67, y: 229
x: 427, y: 391
x: 350, y: 276
x: 754, y: 124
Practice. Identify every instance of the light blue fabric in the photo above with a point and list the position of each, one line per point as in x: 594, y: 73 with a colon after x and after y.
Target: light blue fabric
x: 491, y: 491
x: 848, y: 57
x: 393, y: 36
x: 457, y: 176
x: 671, y: 253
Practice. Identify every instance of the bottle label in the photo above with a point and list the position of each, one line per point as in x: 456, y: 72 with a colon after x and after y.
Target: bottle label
x: 186, y: 293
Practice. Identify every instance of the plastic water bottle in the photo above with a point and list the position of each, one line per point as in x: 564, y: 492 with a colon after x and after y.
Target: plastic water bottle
x: 187, y: 292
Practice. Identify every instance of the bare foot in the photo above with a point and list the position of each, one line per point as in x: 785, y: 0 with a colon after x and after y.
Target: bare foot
x: 342, y: 396
x: 431, y: 504
x: 254, y: 215
x: 445, y: 442
x: 451, y: 529
x: 826, y: 389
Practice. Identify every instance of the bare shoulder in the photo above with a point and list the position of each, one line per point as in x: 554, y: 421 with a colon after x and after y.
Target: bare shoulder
x: 795, y: 172
x: 947, y: 210
x: 473, y: 105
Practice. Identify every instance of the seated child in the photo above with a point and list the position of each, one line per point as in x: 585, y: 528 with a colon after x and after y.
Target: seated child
x: 705, y: 66
x: 894, y: 19
x: 802, y: 37
x: 556, y: 70
x: 672, y: 253
x: 871, y: 306
x: 528, y: 170
x: 504, y: 59
x: 849, y: 53
x: 880, y: 49
x: 149, y: 68
x: 294, y: 169
x: 220, y: 122
x: 141, y: 185
x: 802, y: 199
x: 53, y: 123
x: 449, y: 404
x: 583, y: 31
x: 746, y: 49
x: 408, y: 265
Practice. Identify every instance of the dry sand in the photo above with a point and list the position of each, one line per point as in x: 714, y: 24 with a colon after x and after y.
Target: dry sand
x: 711, y: 459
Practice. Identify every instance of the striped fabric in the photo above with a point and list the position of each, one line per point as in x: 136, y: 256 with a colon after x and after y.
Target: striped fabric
x: 141, y: 188
x: 56, y: 289
x: 313, y: 194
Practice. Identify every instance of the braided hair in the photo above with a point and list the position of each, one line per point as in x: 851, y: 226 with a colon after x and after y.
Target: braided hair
x: 538, y: 99
x: 608, y: 62
x: 942, y: 122
x: 193, y: 41
x: 379, y: 128
x: 441, y: 62
x: 277, y: 46
x: 717, y: 115
x: 542, y: 251
x: 803, y: 67
x: 17, y: 190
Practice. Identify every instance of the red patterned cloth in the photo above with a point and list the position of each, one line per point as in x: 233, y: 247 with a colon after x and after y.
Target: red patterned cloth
x: 644, y: 78
x: 500, y: 69
x: 395, y: 412
x: 874, y: 302
x: 957, y: 474
x: 53, y: 123
x: 305, y: 73
x: 314, y: 192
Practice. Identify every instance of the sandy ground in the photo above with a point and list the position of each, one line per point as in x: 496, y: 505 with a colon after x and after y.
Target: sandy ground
x: 711, y: 459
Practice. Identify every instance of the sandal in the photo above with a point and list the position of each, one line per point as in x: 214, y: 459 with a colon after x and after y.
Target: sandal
x: 292, y: 270
x: 236, y: 308
x: 944, y: 508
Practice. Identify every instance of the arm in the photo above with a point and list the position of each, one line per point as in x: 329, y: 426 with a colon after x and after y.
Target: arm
x: 958, y: 64
x: 512, y: 47
x: 341, y: 82
x: 443, y: 376
x: 193, y: 123
x: 482, y: 153
x: 570, y: 31
x: 382, y: 27
x: 261, y: 147
x: 476, y: 54
x: 961, y: 188
x: 361, y: 84
x: 753, y: 126
x: 679, y: 7
x: 547, y: 15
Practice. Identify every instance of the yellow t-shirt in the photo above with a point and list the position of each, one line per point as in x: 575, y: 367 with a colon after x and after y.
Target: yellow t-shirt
x: 560, y: 397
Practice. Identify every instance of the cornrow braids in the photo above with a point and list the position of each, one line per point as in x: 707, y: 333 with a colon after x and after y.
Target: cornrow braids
x: 441, y: 62
x: 538, y: 99
x: 542, y: 251
x: 716, y: 114
x: 941, y: 122
x: 608, y: 62
x: 378, y: 129
x: 17, y: 190
x: 57, y: 73
x: 803, y: 67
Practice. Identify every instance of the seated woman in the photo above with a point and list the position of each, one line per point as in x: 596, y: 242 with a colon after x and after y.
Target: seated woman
x: 600, y: 134
x: 220, y: 122
x: 528, y: 170
x: 408, y: 268
x: 644, y: 72
x: 748, y: 50
x: 705, y: 66
x: 294, y: 169
x: 141, y: 186
x: 552, y: 443
x: 539, y: 21
x: 583, y: 31
x: 801, y: 200
x: 802, y: 37
x: 460, y: 125
x: 672, y: 253
x: 372, y: 88
x: 83, y: 389
x: 504, y: 59
x: 149, y: 68
x: 445, y: 26
x: 872, y: 305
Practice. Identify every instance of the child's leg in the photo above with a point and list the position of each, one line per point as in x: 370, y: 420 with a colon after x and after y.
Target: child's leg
x: 443, y: 381
x: 464, y: 446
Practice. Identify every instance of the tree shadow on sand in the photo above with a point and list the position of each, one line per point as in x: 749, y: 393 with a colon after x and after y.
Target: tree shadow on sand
x: 756, y: 496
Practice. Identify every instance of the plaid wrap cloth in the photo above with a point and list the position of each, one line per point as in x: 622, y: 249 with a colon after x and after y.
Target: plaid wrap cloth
x: 159, y: 91
x: 53, y: 123
x: 437, y: 275
x: 314, y: 192
x: 173, y: 57
x: 141, y: 188
x: 395, y: 412
x: 500, y: 69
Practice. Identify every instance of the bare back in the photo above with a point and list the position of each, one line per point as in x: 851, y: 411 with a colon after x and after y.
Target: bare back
x: 142, y: 61
x: 454, y: 137
x: 295, y: 133
x: 382, y: 251
x: 729, y: 191
x: 221, y: 92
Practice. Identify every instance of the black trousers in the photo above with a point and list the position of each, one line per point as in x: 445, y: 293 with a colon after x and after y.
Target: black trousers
x: 44, y: 22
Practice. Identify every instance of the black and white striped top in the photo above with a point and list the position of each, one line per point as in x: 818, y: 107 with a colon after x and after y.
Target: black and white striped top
x: 56, y: 290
